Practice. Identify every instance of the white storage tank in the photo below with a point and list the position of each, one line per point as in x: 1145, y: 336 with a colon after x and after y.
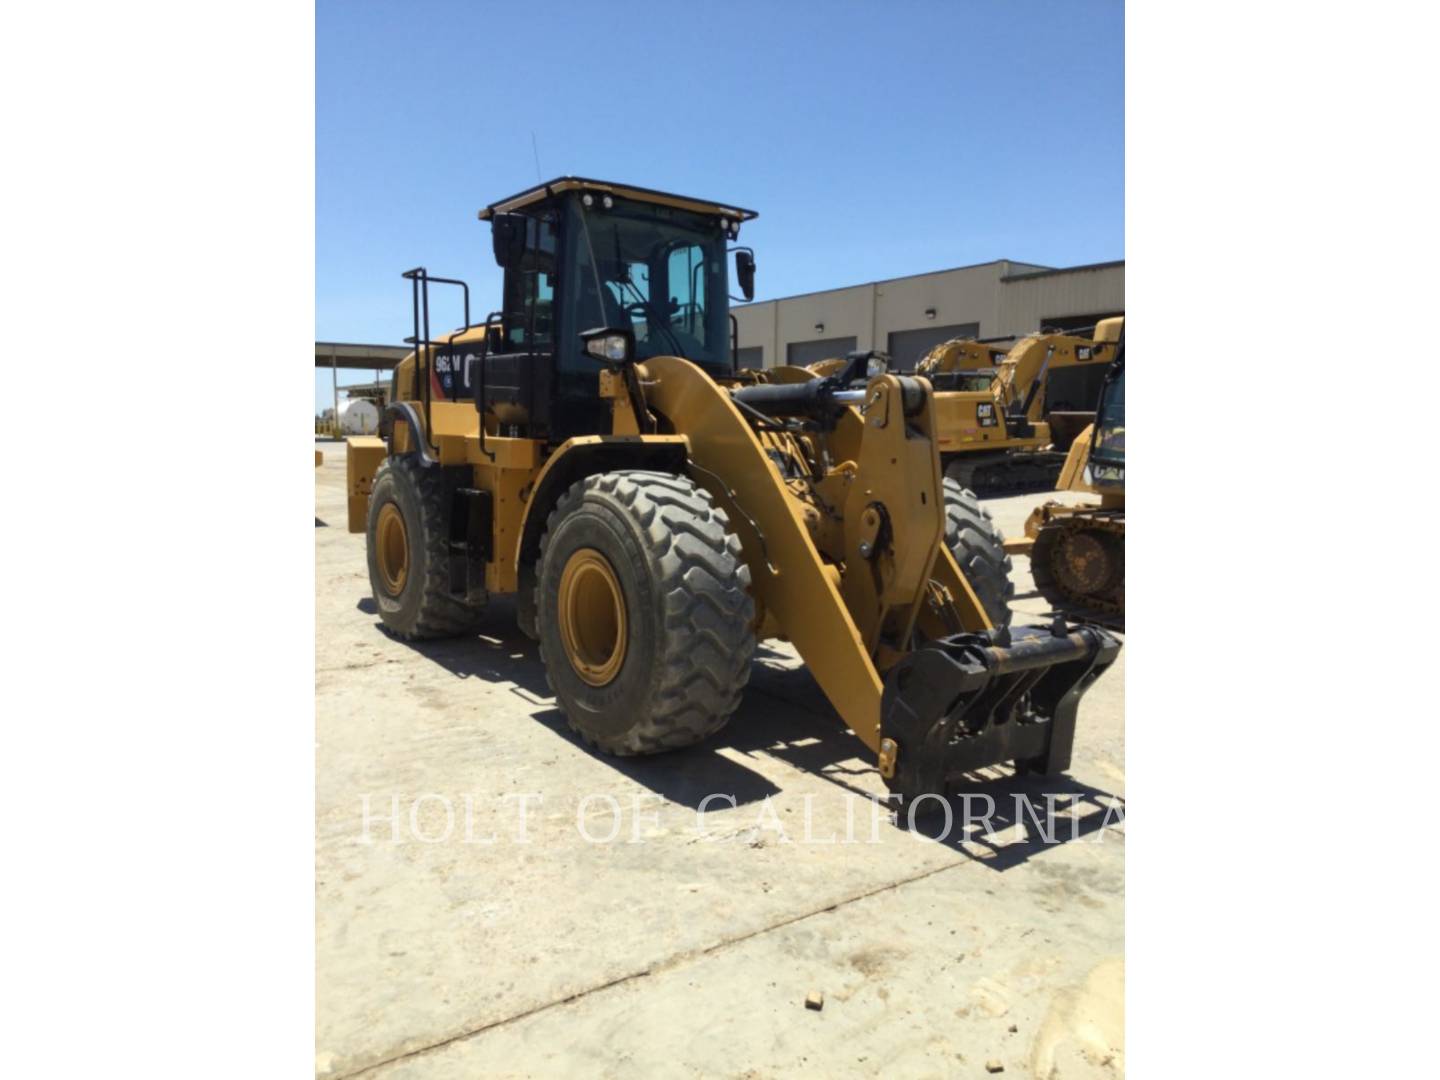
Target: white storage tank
x: 359, y: 417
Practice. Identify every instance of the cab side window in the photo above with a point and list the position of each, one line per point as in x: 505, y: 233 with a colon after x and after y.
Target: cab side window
x: 530, y: 292
x: 686, y: 279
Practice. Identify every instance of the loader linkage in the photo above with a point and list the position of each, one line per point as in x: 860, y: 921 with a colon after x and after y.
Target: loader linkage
x: 959, y: 703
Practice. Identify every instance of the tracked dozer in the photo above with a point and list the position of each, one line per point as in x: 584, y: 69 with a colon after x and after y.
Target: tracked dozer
x: 588, y: 450
x: 1077, y: 551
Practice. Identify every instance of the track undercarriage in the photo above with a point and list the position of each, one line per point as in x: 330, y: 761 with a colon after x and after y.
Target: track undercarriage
x: 1078, y: 562
x: 1005, y: 472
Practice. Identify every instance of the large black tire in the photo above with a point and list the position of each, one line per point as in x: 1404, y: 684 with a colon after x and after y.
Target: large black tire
x: 688, y: 616
x: 979, y: 548
x: 525, y: 603
x: 423, y: 607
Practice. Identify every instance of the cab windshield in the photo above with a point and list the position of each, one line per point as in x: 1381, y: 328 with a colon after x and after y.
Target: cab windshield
x: 1110, y: 423
x: 657, y: 270
x: 975, y: 380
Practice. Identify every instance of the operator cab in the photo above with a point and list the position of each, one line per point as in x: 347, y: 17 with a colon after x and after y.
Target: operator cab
x: 583, y: 255
x: 1107, y: 450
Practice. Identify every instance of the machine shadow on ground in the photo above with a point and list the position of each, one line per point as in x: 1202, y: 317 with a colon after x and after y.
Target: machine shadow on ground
x: 500, y: 654
x: 1001, y: 822
x: 496, y: 653
x: 785, y: 716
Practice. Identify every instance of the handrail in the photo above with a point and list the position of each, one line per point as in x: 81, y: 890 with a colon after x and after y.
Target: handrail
x: 420, y: 281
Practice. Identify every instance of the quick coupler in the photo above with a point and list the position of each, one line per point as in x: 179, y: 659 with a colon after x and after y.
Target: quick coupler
x: 959, y: 703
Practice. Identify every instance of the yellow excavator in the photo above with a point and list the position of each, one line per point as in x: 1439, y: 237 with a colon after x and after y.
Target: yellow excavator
x: 1077, y: 551
x: 588, y: 450
x: 1002, y: 429
x: 996, y: 435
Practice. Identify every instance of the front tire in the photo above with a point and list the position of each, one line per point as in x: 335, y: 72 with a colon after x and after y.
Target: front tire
x: 406, y: 545
x: 644, y: 612
x: 979, y: 548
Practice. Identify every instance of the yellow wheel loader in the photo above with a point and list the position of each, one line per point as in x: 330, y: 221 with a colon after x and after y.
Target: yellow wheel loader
x: 1077, y: 552
x: 588, y: 450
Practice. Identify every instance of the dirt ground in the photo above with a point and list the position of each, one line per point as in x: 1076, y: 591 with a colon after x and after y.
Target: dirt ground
x: 495, y: 899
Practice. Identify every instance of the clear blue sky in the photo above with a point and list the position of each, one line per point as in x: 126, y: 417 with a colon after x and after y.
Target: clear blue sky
x: 876, y: 139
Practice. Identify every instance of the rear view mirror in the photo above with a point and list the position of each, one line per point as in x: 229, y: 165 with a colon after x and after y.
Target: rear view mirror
x: 507, y: 233
x: 745, y: 271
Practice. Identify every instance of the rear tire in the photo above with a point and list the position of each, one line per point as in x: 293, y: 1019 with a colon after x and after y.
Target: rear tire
x: 644, y: 612
x: 525, y: 617
x: 407, y: 548
x: 979, y: 548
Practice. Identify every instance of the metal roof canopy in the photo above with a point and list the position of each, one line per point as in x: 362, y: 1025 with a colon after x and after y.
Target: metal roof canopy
x: 353, y: 357
x: 624, y: 191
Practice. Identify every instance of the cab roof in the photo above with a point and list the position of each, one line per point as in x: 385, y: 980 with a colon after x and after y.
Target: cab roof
x: 624, y: 191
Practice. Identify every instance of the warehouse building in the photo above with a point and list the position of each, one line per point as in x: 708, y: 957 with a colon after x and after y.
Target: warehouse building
x: 906, y: 316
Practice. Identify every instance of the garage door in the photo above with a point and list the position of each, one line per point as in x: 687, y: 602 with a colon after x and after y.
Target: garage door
x: 753, y: 357
x: 908, y: 346
x: 1070, y: 323
x: 801, y: 353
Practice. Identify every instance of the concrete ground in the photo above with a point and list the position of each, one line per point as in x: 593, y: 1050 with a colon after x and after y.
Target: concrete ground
x: 466, y: 925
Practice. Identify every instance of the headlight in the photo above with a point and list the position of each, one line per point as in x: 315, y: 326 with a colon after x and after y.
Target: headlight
x: 610, y: 347
x: 875, y: 366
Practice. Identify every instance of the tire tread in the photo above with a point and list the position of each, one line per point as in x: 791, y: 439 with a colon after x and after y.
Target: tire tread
x: 440, y: 614
x: 708, y: 639
x: 979, y: 548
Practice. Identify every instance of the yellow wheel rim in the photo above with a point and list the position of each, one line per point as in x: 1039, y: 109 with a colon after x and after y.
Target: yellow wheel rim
x: 592, y: 617
x: 392, y: 549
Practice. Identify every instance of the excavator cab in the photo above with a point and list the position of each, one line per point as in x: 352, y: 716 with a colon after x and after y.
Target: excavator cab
x: 965, y: 380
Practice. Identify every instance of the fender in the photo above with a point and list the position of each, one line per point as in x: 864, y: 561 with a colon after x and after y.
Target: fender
x: 584, y: 456
x: 364, y: 454
x: 404, y: 412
